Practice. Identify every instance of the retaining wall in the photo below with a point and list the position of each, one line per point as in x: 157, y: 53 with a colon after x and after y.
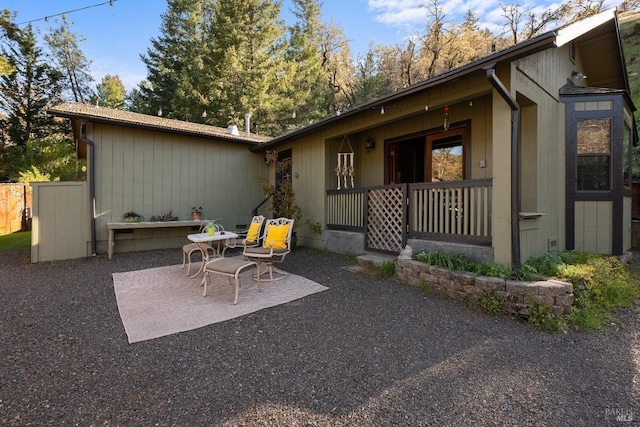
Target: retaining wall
x: 461, y: 285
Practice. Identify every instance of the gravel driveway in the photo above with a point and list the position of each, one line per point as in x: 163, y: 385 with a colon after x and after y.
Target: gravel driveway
x: 367, y: 352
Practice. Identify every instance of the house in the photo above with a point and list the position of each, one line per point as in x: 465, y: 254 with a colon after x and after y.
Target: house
x: 525, y: 151
x: 519, y: 153
x: 148, y: 165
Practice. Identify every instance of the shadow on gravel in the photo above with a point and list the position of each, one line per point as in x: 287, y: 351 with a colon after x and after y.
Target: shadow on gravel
x: 368, y: 351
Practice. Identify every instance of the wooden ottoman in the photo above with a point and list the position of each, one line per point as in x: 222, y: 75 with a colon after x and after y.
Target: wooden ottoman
x: 230, y: 267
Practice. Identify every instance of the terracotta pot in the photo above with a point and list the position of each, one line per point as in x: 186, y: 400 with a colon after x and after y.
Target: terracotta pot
x: 196, y: 216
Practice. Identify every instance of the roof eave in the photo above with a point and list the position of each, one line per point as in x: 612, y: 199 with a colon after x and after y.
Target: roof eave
x: 140, y: 125
x: 530, y: 47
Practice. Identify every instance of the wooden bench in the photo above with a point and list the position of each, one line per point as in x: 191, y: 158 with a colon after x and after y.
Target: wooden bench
x: 113, y: 226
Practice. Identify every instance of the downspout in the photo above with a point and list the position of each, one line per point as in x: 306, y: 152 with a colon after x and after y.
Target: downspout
x: 515, y: 165
x: 92, y: 183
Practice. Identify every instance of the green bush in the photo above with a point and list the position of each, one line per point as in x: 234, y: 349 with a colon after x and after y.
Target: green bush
x: 542, y: 319
x: 490, y: 302
x: 601, y: 284
x: 387, y: 269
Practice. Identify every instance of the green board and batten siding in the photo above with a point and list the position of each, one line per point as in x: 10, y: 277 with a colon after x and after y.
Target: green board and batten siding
x: 150, y: 172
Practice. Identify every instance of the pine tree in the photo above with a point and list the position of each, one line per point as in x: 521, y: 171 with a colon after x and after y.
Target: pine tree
x: 24, y: 96
x: 248, y: 66
x: 175, y: 62
x: 308, y: 90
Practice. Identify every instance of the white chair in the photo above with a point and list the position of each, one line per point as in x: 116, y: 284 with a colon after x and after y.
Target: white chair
x: 249, y: 237
x: 276, y: 244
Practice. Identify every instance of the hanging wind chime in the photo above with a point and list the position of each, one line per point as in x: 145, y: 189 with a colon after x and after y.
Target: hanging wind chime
x: 345, y: 168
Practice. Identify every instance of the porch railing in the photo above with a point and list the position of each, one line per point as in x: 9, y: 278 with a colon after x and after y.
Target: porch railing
x: 453, y: 211
x: 345, y: 209
x: 457, y: 211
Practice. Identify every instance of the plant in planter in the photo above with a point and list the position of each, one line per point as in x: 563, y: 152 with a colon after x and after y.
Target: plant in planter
x: 281, y: 196
x: 211, y: 227
x: 314, y: 227
x: 132, y: 217
x: 196, y: 213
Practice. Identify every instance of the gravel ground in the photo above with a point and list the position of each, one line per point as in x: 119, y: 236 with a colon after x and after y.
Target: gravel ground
x: 367, y: 352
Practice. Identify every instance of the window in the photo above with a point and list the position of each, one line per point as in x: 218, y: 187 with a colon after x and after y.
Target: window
x: 285, y: 170
x: 594, y: 155
x: 446, y: 159
x: 627, y: 159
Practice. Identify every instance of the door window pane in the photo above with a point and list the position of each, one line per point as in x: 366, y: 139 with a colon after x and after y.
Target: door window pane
x: 446, y: 159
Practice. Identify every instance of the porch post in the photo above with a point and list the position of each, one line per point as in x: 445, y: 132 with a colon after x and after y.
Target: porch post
x: 505, y: 151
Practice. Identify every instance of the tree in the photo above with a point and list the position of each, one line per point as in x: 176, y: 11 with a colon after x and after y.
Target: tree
x: 248, y: 67
x: 7, y: 29
x: 435, y: 41
x: 71, y: 61
x: 337, y: 64
x: 25, y: 94
x: 369, y: 82
x: 111, y: 92
x: 307, y: 88
x: 176, y: 63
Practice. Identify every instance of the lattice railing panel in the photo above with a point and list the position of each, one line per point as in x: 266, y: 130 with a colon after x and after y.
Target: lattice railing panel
x: 385, y: 215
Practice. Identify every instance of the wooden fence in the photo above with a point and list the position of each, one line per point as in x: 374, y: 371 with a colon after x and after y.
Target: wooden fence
x: 15, y: 207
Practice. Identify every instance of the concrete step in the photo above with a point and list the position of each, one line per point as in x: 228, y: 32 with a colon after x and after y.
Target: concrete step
x: 375, y: 260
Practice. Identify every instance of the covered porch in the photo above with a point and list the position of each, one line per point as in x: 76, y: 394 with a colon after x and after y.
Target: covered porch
x: 450, y: 216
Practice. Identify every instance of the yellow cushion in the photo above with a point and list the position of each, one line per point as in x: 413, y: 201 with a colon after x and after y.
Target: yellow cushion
x: 252, y: 234
x: 276, y: 235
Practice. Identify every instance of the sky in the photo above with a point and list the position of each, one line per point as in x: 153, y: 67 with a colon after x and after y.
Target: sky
x: 116, y: 35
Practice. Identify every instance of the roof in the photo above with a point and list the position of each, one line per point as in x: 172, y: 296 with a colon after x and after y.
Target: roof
x: 550, y: 39
x: 92, y: 113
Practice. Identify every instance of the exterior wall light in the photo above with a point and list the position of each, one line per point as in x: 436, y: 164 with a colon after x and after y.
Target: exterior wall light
x: 369, y: 144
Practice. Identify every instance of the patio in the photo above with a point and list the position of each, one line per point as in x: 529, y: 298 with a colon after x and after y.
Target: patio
x: 368, y: 351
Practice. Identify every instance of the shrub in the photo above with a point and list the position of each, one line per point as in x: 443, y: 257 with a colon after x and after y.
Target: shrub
x: 491, y: 303
x: 601, y: 284
x: 387, y: 269
x: 542, y: 319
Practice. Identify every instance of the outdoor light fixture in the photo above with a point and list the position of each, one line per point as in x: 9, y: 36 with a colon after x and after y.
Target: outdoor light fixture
x: 382, y: 110
x: 369, y: 144
x: 577, y: 75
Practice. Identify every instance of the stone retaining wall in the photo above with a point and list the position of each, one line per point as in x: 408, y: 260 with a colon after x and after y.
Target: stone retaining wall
x: 516, y: 296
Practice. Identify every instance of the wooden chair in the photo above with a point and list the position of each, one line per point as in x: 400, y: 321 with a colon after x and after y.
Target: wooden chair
x: 276, y: 244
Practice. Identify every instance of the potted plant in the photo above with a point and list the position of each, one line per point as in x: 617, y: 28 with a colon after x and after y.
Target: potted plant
x: 132, y: 217
x: 196, y: 213
x: 281, y: 196
x: 211, y: 227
